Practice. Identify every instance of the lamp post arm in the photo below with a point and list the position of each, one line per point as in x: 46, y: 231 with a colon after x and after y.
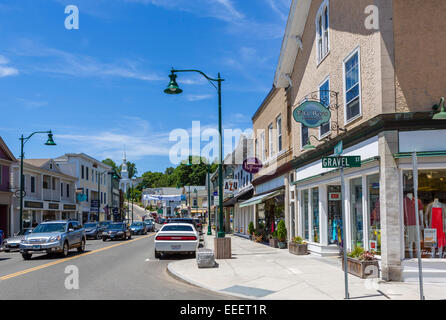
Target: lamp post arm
x: 25, y: 140
x: 200, y: 72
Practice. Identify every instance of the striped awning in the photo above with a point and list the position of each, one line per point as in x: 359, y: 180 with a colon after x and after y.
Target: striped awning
x: 260, y: 199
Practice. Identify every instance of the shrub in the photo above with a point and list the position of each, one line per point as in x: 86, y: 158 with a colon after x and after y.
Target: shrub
x: 361, y: 254
x: 298, y: 240
x: 281, y: 231
x: 251, y: 229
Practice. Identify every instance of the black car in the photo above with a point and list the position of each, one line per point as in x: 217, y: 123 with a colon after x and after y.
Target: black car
x: 103, y: 225
x: 92, y: 230
x: 118, y: 230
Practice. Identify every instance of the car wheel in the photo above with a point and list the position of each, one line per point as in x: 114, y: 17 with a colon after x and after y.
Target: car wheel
x: 104, y: 239
x: 82, y: 247
x: 130, y: 236
x: 157, y: 255
x: 97, y: 236
x: 194, y: 254
x: 26, y: 256
x: 65, y: 249
x: 7, y: 251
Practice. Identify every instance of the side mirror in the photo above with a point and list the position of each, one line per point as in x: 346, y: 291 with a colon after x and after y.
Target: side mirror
x: 70, y: 230
x: 16, y: 234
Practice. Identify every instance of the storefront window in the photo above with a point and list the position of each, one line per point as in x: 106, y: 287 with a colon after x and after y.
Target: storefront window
x: 432, y: 213
x: 305, y: 197
x: 356, y: 212
x: 334, y: 215
x: 374, y: 214
x: 315, y: 209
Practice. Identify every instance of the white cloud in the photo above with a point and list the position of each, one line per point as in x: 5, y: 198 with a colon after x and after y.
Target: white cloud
x: 32, y: 104
x: 51, y: 60
x: 5, y: 70
x: 198, y: 97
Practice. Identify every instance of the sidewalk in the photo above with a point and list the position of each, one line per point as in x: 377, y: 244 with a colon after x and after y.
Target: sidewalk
x: 257, y: 271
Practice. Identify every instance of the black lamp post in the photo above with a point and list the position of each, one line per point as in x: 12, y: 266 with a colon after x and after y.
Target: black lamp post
x: 173, y: 88
x: 23, y: 140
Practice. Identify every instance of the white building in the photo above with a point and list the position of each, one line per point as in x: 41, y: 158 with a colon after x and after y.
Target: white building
x: 92, y: 184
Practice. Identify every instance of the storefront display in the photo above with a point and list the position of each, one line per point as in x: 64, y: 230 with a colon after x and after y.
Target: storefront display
x: 49, y: 215
x: 374, y: 214
x: 334, y: 215
x: 315, y: 209
x: 356, y: 213
x: 305, y: 202
x: 432, y: 213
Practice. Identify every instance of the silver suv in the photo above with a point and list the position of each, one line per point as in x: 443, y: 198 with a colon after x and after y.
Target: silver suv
x: 54, y: 237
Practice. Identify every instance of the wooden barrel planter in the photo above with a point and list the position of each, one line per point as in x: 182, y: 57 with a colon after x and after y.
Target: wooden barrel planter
x: 298, y: 249
x: 362, y: 269
x: 274, y: 243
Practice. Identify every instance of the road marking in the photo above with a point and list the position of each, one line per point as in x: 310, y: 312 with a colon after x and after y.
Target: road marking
x: 19, y: 273
x: 147, y: 260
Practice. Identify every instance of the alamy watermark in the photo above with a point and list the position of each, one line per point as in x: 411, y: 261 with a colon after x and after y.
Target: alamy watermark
x: 72, y: 280
x: 72, y: 20
x: 372, y: 20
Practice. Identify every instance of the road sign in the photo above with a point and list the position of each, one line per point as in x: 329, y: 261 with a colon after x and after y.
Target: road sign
x: 215, y: 193
x: 338, y: 149
x: 216, y: 199
x: 345, y: 162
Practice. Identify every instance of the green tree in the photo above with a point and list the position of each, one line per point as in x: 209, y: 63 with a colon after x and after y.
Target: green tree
x: 111, y: 163
x: 131, y: 168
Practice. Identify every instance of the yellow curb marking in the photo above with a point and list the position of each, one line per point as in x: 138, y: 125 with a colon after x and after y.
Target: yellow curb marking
x: 19, y: 273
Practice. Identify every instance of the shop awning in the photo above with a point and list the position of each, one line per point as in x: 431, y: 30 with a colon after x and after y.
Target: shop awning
x: 260, y: 199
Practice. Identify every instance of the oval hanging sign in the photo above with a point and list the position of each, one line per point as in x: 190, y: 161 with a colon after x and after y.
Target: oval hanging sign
x: 312, y: 114
x: 252, y: 165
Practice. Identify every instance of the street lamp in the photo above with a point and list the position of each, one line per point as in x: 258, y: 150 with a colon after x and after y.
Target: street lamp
x: 208, y: 167
x: 23, y: 140
x: 173, y: 88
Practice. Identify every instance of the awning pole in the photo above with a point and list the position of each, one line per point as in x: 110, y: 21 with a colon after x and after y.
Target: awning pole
x: 417, y: 216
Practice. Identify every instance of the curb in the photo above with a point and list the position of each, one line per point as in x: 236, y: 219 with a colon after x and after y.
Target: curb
x: 180, y: 278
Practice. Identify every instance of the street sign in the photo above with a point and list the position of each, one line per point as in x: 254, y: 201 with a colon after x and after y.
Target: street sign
x: 312, y: 114
x: 345, y: 162
x: 338, y: 149
x: 215, y: 193
x: 216, y: 199
x: 230, y: 186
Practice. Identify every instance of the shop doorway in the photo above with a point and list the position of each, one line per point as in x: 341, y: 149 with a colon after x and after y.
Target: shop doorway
x: 4, y: 220
x: 334, y: 215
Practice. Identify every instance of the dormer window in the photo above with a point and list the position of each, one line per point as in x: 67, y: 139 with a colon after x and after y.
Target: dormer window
x: 322, y: 33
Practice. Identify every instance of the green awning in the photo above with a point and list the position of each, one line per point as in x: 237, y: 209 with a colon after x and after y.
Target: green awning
x: 260, y: 199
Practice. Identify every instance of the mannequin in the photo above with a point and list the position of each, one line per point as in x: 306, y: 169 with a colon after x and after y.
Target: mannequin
x: 410, y: 221
x: 435, y: 216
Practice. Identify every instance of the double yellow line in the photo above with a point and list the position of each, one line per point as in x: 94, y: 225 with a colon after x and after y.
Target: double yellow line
x: 19, y: 273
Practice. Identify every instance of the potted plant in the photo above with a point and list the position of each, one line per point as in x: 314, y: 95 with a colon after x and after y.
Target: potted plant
x: 298, y: 246
x: 273, y: 241
x: 258, y: 237
x: 362, y: 264
x: 251, y: 229
x: 281, y: 234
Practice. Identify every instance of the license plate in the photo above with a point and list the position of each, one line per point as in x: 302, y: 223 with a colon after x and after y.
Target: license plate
x: 175, y: 247
x: 36, y: 247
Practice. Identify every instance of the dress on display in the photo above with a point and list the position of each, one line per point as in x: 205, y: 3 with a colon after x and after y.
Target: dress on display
x: 410, y: 220
x: 437, y: 223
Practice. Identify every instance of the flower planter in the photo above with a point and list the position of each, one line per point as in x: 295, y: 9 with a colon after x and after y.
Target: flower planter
x: 258, y: 239
x: 282, y: 245
x: 362, y: 269
x: 274, y: 243
x: 299, y: 249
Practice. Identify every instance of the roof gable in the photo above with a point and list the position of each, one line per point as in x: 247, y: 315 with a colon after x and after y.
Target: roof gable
x: 5, y: 153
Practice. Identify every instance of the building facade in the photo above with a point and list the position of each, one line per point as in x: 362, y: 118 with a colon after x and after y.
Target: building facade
x: 7, y: 160
x: 92, y: 184
x: 380, y: 84
x: 50, y: 194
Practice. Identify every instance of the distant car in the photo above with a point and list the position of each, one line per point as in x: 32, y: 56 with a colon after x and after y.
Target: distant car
x: 13, y: 243
x: 92, y: 230
x: 198, y: 224
x: 150, y: 225
x: 54, y: 236
x: 118, y: 230
x: 192, y: 221
x: 138, y: 228
x: 103, y: 225
x: 176, y: 238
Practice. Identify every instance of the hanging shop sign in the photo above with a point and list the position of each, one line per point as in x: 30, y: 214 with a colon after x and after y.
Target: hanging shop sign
x: 345, y: 162
x: 312, y: 114
x: 252, y: 165
x: 231, y: 186
x: 334, y: 196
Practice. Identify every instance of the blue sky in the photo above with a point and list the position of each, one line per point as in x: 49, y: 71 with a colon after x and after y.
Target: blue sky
x: 100, y: 88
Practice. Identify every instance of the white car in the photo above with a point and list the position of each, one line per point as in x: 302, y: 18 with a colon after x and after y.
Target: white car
x: 175, y: 238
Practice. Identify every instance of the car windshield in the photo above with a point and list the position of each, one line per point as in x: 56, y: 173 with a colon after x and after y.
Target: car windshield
x: 104, y: 223
x: 177, y: 228
x: 137, y: 224
x: 50, y: 227
x: 116, y: 226
x: 90, y: 225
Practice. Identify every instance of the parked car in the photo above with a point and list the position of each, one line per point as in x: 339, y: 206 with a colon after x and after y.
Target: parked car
x: 103, y: 225
x: 92, y: 230
x: 192, y: 221
x: 150, y: 225
x: 54, y: 237
x: 2, y: 236
x: 13, y: 243
x: 118, y: 230
x: 176, y: 238
x: 138, y: 228
x: 198, y: 224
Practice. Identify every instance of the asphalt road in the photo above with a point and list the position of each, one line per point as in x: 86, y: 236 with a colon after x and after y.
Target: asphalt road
x: 107, y: 270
